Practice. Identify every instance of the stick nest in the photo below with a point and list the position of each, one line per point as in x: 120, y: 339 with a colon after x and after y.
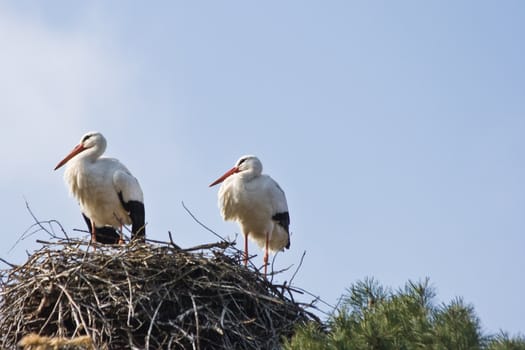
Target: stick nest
x: 146, y: 296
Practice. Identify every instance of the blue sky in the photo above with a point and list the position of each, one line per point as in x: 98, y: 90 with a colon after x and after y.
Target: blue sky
x: 396, y: 129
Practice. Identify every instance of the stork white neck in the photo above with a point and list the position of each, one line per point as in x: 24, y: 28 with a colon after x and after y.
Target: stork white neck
x: 249, y: 167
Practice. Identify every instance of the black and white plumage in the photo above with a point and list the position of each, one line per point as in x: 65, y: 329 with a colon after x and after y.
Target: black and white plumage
x: 257, y: 203
x: 108, y: 194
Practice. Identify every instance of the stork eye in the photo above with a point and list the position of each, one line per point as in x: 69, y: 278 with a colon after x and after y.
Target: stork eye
x: 241, y: 161
x: 84, y: 139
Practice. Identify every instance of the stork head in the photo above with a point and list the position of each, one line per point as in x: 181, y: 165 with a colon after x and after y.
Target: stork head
x: 91, y: 144
x: 249, y: 166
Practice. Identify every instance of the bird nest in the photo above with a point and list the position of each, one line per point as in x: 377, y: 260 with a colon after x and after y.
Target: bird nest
x: 145, y: 296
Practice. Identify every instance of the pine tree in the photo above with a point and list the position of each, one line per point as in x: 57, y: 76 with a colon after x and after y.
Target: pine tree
x: 503, y: 341
x: 372, y: 317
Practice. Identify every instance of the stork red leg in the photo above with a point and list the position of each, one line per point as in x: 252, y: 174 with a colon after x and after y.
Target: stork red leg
x: 93, y: 235
x: 121, y: 239
x: 245, y: 249
x: 265, y: 258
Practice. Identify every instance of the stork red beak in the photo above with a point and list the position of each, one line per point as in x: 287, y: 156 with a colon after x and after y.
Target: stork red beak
x: 226, y: 175
x: 78, y: 148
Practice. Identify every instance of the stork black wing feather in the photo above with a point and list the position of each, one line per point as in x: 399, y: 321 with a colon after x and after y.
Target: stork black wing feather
x: 283, y: 219
x: 138, y: 217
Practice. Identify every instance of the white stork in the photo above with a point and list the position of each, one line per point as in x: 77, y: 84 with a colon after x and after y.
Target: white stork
x: 109, y: 196
x: 257, y: 203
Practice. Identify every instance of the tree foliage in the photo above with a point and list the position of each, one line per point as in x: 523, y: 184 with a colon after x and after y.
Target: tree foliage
x: 373, y: 317
x: 503, y: 341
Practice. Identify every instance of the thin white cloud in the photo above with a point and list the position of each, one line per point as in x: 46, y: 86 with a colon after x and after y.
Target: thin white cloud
x: 51, y: 83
